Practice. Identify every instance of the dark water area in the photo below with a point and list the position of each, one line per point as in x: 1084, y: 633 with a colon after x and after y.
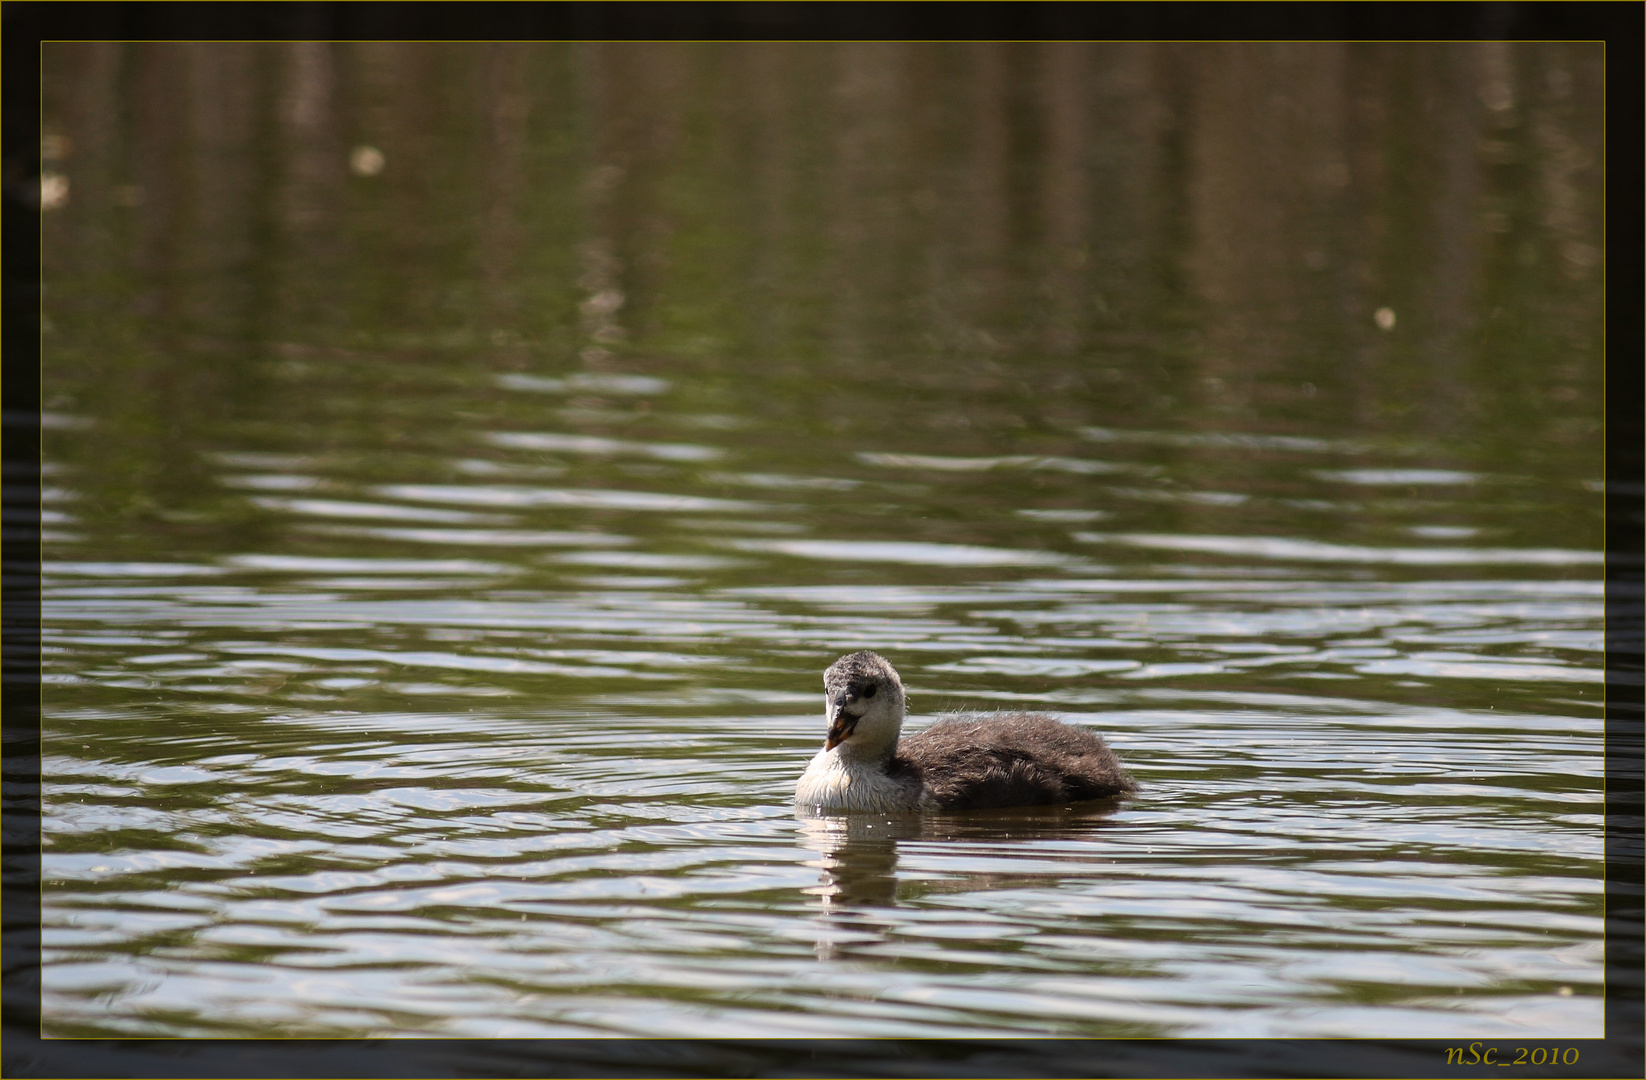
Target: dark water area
x: 461, y: 462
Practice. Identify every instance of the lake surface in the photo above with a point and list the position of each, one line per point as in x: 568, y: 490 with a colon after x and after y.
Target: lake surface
x: 462, y: 461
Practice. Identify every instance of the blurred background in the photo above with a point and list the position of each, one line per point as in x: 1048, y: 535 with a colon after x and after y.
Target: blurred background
x: 461, y: 460
x: 1199, y: 235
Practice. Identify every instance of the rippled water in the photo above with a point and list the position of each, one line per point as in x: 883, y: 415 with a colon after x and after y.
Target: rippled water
x: 408, y: 678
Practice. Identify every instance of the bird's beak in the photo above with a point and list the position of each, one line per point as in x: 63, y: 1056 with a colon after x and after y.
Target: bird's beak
x: 841, y: 726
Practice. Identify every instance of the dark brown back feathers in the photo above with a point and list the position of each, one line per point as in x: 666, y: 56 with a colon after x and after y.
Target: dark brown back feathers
x: 1010, y: 759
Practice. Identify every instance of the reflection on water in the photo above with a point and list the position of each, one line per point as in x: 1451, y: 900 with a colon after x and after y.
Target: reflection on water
x: 858, y: 863
x: 859, y: 851
x: 444, y: 543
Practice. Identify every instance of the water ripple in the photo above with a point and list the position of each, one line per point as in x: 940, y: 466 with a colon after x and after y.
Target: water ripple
x: 904, y: 551
x: 580, y: 498
x: 1273, y: 547
x: 591, y: 444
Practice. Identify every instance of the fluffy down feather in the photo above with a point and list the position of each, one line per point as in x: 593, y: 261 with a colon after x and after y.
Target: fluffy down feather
x: 1013, y: 759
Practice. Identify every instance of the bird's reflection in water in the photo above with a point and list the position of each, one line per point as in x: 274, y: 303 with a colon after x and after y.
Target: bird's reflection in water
x: 858, y: 858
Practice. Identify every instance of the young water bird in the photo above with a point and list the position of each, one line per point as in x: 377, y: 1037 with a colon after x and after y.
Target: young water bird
x: 960, y: 763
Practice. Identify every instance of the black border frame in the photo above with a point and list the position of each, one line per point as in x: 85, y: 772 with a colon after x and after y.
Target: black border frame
x: 23, y: 25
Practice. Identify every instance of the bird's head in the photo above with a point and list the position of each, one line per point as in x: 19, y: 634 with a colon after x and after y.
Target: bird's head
x: 863, y: 699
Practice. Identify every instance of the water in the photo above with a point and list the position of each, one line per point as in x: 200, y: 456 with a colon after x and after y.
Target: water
x: 442, y: 555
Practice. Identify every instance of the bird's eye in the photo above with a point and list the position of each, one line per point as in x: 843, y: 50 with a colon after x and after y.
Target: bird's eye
x: 868, y: 691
